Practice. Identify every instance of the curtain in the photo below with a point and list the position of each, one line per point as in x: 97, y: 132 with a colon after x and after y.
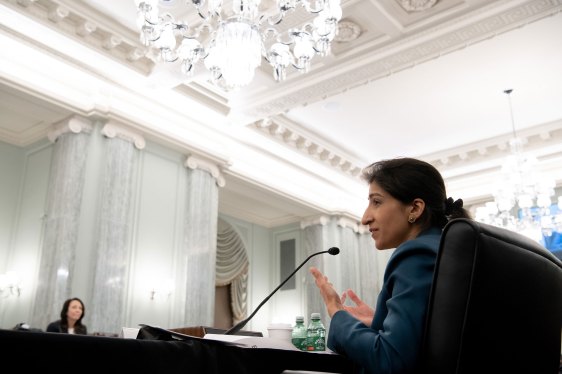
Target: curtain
x: 232, y: 268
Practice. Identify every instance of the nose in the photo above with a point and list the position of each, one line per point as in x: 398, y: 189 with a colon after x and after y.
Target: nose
x: 366, y: 219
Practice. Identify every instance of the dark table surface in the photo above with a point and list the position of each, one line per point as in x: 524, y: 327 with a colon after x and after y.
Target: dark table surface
x: 63, y: 352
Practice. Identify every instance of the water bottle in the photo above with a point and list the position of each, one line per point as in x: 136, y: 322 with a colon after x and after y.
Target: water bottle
x: 315, y: 334
x: 298, y: 336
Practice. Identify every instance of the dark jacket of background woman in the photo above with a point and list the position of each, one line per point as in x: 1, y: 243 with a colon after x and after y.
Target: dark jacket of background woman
x: 61, y: 325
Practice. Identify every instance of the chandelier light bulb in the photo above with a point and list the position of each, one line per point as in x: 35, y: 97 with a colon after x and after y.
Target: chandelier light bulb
x: 167, y: 39
x: 238, y: 46
x: 215, y: 6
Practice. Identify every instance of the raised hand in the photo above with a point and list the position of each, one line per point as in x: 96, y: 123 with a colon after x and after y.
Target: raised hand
x: 363, y: 312
x: 327, y: 291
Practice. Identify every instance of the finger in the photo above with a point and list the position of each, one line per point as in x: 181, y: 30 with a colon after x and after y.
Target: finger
x: 315, y: 272
x: 353, y: 296
x: 343, y: 297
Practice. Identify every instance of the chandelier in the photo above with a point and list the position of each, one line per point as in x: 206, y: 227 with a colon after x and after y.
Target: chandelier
x: 523, y: 199
x: 231, y: 37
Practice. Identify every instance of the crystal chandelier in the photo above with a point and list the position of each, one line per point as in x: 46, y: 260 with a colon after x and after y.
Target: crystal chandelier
x: 523, y: 200
x: 231, y: 38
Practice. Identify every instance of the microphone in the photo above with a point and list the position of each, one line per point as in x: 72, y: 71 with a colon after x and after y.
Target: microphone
x: 234, y: 329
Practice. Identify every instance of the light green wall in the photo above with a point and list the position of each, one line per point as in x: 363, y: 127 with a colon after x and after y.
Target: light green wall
x: 11, y: 170
x: 155, y: 237
x: 24, y: 174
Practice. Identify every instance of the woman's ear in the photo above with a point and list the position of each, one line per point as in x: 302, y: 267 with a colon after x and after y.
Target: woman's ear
x: 418, y: 206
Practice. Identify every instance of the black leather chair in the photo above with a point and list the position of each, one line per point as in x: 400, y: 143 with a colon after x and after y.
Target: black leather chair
x: 495, y: 304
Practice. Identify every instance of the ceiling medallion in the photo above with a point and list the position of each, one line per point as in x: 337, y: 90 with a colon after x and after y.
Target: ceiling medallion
x: 348, y: 31
x: 416, y: 5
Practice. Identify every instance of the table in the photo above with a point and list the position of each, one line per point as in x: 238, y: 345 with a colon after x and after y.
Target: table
x: 62, y: 352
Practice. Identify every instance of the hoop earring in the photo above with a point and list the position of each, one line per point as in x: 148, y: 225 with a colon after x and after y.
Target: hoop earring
x: 411, y: 219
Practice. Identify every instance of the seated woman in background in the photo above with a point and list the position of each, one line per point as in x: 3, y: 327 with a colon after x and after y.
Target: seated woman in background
x: 70, y: 321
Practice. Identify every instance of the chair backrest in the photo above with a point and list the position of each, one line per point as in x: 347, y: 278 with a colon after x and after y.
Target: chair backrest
x: 495, y: 304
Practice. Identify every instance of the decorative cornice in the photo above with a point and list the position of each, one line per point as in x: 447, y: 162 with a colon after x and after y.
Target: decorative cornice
x: 194, y: 162
x: 112, y: 130
x: 545, y: 140
x: 74, y: 124
x: 87, y: 25
x: 284, y: 131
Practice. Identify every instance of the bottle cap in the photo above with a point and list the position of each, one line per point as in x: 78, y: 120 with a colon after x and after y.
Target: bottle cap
x: 300, y: 319
x: 315, y: 315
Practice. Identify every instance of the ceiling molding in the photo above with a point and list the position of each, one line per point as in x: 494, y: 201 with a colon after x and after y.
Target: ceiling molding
x: 287, y: 132
x: 407, y: 53
x: 90, y: 27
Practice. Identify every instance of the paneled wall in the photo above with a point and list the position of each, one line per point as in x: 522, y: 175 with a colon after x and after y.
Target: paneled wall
x: 154, y: 293
x: 159, y: 184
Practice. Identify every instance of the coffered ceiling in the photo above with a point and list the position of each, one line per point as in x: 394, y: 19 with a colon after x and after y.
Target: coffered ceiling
x: 421, y: 78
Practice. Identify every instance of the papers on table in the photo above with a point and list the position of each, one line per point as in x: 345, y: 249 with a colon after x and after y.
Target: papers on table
x: 259, y: 342
x: 129, y: 332
x: 253, y: 341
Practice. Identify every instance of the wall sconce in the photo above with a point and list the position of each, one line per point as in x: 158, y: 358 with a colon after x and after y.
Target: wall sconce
x: 161, y: 288
x: 10, y: 284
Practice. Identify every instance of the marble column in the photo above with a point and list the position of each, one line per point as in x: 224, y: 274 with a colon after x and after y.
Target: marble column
x: 354, y: 267
x: 112, y: 246
x: 64, y: 196
x: 198, y: 253
x: 315, y: 232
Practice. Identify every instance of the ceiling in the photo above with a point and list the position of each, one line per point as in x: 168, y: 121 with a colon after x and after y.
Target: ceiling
x: 421, y: 78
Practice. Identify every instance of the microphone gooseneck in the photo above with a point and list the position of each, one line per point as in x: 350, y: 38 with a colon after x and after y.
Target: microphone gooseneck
x: 234, y: 329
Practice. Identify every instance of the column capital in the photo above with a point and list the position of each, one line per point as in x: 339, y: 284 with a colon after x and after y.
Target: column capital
x: 194, y: 162
x: 348, y: 222
x: 321, y: 220
x: 112, y: 129
x: 75, y: 124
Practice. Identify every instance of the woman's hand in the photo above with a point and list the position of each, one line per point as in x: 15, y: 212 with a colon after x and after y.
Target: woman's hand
x: 330, y: 296
x: 363, y: 312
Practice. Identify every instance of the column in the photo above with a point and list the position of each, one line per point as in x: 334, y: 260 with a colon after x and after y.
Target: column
x: 346, y: 270
x: 315, y: 239
x: 112, y: 248
x: 71, y: 142
x: 198, y: 252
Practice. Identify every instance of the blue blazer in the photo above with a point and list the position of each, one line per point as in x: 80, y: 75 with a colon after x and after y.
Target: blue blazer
x: 393, y: 341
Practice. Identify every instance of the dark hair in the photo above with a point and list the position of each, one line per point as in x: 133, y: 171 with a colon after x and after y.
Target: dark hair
x: 407, y: 179
x: 78, y: 326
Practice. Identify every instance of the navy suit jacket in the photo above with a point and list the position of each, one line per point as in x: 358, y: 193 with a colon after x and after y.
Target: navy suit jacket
x: 393, y: 341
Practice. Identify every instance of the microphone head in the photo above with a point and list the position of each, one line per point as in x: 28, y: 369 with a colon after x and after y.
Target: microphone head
x: 334, y: 251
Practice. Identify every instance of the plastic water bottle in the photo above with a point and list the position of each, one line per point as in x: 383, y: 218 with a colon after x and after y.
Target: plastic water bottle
x: 315, y: 334
x: 298, y: 336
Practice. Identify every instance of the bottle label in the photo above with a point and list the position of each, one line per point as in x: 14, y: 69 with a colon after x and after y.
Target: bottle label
x: 316, y: 342
x: 320, y: 344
